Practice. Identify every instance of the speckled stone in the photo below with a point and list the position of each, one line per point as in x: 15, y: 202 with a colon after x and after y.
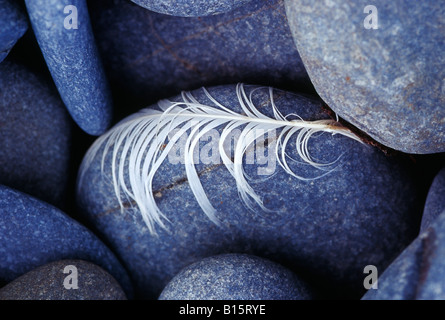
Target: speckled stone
x: 35, y: 134
x: 13, y: 24
x: 34, y: 233
x: 435, y: 201
x: 190, y: 8
x: 390, y: 81
x: 64, y: 280
x: 236, y: 277
x: 364, y: 212
x: 150, y: 56
x: 73, y: 60
x: 418, y: 273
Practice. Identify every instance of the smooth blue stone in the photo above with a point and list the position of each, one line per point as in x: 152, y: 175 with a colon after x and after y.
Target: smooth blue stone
x: 74, y: 62
x: 35, y: 134
x: 419, y: 272
x: 150, y: 56
x: 364, y: 212
x: 13, y: 25
x: 435, y: 201
x: 388, y: 82
x: 236, y: 277
x: 34, y: 233
x: 56, y: 280
x: 190, y: 8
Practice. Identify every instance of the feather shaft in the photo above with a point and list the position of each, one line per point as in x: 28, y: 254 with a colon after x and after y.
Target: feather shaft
x: 139, y: 145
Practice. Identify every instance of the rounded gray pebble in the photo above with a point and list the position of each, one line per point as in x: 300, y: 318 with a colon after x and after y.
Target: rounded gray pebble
x: 64, y: 280
x: 236, y: 277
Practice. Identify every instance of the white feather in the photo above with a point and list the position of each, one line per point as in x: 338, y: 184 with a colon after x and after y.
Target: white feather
x: 139, y: 145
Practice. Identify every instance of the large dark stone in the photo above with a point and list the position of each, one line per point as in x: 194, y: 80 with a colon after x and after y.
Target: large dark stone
x: 150, y: 56
x: 35, y: 134
x: 389, y: 82
x: 364, y: 212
